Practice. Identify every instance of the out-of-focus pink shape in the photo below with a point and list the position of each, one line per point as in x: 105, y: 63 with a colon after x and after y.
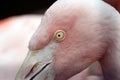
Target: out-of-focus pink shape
x: 15, y: 33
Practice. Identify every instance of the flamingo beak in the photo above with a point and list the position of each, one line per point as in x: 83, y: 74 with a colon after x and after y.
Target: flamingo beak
x: 37, y: 65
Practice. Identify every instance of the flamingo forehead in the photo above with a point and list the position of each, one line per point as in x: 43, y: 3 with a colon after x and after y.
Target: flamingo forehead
x: 50, y: 23
x: 39, y: 38
x: 58, y: 18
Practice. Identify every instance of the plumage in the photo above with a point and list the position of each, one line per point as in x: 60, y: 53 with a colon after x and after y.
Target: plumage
x: 92, y: 34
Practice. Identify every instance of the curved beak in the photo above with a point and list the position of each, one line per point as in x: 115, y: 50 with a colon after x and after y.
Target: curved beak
x: 37, y: 65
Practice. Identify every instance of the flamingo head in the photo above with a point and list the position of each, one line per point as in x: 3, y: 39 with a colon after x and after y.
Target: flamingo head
x: 70, y: 37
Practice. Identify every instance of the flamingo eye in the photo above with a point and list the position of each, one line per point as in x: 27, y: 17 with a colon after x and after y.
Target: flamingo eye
x: 59, y: 35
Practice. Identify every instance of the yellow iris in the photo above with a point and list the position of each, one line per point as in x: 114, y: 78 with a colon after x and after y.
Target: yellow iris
x: 59, y: 35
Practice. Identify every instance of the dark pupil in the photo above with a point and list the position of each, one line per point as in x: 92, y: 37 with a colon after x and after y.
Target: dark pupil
x: 58, y: 35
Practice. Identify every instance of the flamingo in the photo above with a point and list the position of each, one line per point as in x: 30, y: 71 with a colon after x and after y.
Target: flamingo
x: 15, y: 33
x: 69, y: 39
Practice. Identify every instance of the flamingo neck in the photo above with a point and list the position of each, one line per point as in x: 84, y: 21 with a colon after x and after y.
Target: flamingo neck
x: 110, y: 62
x: 111, y: 65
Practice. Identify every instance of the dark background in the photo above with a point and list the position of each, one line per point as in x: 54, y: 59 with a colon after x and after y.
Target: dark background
x: 18, y: 7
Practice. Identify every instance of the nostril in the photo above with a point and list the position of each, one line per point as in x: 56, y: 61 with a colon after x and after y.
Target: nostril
x: 32, y: 69
x: 42, y: 68
x: 27, y: 71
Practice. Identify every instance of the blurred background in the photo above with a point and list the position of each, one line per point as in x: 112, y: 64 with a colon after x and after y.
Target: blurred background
x: 18, y: 7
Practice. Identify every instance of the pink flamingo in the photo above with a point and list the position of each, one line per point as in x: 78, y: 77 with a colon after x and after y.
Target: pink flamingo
x: 13, y: 45
x: 70, y: 38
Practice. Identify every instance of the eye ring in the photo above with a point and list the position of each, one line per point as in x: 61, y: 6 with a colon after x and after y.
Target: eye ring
x: 59, y: 35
